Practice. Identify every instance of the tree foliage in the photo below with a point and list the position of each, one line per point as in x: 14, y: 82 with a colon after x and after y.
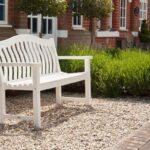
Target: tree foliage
x: 93, y: 9
x: 44, y: 7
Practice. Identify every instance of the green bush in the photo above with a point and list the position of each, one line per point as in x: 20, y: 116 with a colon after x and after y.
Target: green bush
x: 145, y: 33
x: 114, y: 72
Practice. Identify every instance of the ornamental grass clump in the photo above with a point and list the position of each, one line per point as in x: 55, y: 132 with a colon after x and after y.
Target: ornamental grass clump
x: 113, y: 72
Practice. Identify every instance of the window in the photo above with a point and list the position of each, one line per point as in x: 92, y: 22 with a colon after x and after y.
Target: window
x: 47, y: 25
x: 3, y: 11
x: 143, y: 10
x: 34, y: 24
x: 123, y: 11
x: 77, y: 21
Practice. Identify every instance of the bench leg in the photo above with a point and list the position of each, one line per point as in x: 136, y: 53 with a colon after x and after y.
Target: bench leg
x: 58, y: 95
x: 88, y: 90
x: 2, y: 106
x: 37, y: 108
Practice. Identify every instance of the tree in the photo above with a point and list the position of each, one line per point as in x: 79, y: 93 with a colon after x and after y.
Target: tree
x: 44, y: 7
x: 92, y: 9
x: 144, y: 35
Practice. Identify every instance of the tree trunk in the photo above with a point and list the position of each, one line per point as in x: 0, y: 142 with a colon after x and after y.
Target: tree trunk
x: 41, y: 29
x: 92, y: 30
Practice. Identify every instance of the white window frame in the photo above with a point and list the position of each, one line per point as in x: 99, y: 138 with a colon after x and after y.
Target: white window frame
x: 143, y: 11
x: 5, y: 21
x: 31, y: 17
x: 74, y: 26
x: 39, y: 23
x: 48, y: 18
x: 124, y: 17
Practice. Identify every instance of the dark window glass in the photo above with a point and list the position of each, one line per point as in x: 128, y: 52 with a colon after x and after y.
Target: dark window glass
x: 74, y: 19
x: 44, y: 26
x: 50, y: 26
x: 34, y: 25
x: 2, y: 1
x: 2, y: 14
x: 79, y: 20
x: 29, y: 23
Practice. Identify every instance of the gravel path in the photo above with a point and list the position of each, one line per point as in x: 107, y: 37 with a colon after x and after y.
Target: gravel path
x: 73, y: 126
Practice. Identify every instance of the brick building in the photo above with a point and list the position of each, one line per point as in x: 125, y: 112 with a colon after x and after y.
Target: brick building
x: 119, y: 30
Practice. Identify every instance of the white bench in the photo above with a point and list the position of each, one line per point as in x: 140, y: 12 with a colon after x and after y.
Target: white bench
x: 30, y: 63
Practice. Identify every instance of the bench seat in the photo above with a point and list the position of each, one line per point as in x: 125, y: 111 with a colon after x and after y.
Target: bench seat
x: 46, y: 81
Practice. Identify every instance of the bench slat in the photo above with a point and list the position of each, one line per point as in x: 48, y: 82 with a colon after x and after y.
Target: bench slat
x: 4, y: 69
x: 26, y: 58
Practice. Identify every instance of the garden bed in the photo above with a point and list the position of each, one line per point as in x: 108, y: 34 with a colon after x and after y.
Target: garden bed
x: 74, y: 125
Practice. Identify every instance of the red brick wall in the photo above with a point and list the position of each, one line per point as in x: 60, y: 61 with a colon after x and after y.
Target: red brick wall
x: 105, y: 23
x: 15, y: 18
x: 106, y: 42
x: 135, y: 19
x: 20, y: 20
x: 128, y: 23
x: 116, y: 15
x: 11, y: 12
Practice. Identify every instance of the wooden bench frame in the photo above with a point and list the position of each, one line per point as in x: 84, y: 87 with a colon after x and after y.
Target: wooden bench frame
x: 36, y: 85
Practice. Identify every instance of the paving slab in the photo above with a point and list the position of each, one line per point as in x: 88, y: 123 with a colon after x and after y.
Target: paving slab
x: 140, y: 140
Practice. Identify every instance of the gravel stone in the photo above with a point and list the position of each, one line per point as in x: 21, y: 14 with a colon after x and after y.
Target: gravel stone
x: 74, y: 125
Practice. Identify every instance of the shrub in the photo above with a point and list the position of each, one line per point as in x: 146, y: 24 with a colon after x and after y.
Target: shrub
x: 114, y: 72
x: 145, y: 33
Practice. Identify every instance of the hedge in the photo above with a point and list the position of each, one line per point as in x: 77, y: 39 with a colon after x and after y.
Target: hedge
x: 114, y: 72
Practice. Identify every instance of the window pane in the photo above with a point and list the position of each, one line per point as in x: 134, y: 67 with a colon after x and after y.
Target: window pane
x: 2, y: 1
x: 44, y: 26
x: 34, y: 25
x: 2, y: 13
x: 79, y: 20
x: 50, y: 26
x: 74, y: 19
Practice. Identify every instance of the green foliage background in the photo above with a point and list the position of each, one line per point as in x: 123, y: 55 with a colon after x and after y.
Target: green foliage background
x: 114, y: 72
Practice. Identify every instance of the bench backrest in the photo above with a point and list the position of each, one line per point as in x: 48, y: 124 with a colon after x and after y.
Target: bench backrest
x: 28, y: 48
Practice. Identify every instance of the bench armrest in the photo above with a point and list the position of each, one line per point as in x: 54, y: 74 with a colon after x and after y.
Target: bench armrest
x: 75, y: 57
x: 85, y: 58
x: 19, y: 64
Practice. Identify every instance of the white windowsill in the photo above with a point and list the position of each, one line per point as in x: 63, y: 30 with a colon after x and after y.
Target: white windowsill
x: 22, y: 31
x: 78, y: 28
x: 62, y: 33
x: 5, y: 25
x: 121, y: 29
x: 135, y: 34
x: 107, y: 34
